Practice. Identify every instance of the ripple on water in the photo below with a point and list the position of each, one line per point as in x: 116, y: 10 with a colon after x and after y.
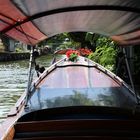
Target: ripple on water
x: 13, y: 81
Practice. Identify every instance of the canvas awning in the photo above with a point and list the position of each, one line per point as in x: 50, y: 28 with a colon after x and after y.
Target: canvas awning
x: 31, y: 21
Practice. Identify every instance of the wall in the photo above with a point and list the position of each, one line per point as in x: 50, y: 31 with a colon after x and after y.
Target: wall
x: 13, y: 56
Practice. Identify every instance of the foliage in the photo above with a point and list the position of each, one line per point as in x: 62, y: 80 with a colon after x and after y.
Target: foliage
x: 105, y: 53
x: 136, y: 63
x: 60, y: 41
x: 76, y: 40
x: 70, y: 44
x: 18, y: 50
x: 77, y: 36
x: 73, y: 40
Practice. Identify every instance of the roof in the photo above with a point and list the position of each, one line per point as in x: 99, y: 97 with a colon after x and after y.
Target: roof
x: 32, y: 21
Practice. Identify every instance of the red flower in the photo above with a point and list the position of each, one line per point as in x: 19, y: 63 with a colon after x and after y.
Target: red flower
x: 85, y: 51
x: 70, y: 52
x: 72, y: 55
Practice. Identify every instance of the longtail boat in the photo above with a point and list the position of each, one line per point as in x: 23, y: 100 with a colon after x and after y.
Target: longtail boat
x: 72, y: 100
x: 76, y: 100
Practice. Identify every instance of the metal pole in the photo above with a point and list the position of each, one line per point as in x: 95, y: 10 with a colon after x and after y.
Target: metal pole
x: 29, y: 75
x: 131, y: 80
x: 128, y: 69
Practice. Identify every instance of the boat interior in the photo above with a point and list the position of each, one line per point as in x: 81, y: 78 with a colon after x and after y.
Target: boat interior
x: 59, y: 110
x: 79, y: 123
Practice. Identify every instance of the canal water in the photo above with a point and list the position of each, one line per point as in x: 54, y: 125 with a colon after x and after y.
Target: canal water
x: 13, y: 81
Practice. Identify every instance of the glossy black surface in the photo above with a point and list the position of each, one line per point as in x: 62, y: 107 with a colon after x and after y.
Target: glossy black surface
x: 51, y: 98
x: 75, y: 85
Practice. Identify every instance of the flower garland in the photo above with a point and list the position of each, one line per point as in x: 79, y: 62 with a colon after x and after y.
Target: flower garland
x: 72, y: 55
x: 85, y: 51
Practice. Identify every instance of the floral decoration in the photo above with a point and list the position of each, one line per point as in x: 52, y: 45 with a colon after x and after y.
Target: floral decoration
x: 72, y: 55
x: 85, y: 51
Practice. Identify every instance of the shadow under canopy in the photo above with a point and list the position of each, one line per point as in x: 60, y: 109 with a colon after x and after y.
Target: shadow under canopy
x: 34, y: 21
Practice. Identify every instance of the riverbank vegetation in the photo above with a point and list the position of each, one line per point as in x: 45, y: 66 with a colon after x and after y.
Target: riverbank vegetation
x: 105, y: 53
x: 103, y: 48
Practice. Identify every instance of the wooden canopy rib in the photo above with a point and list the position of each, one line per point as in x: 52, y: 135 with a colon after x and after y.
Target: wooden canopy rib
x: 11, y: 15
x: 70, y: 9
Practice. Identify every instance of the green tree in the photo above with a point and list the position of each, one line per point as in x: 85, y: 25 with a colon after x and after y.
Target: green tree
x: 105, y: 53
x: 104, y: 49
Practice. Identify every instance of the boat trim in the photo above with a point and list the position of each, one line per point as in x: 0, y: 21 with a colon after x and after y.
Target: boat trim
x: 50, y: 69
x: 90, y: 64
x: 18, y: 106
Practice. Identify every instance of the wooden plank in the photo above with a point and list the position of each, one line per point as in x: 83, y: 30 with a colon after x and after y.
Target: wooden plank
x: 10, y: 134
x: 78, y: 129
x: 55, y: 125
x: 8, y: 124
x: 80, y: 138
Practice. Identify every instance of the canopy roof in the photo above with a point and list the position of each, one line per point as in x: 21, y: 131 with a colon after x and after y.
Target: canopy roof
x: 31, y: 21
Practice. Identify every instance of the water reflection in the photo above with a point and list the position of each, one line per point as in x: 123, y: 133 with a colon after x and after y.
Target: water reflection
x: 13, y: 81
x: 100, y: 96
x: 76, y: 99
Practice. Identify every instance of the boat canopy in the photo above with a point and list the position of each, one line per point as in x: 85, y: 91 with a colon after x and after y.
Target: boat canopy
x: 32, y: 21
